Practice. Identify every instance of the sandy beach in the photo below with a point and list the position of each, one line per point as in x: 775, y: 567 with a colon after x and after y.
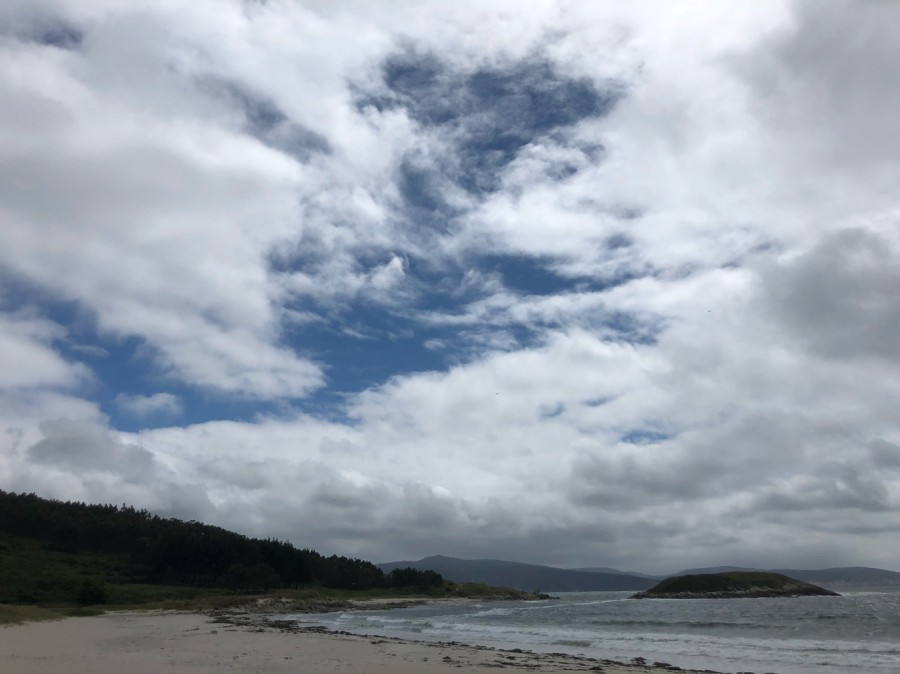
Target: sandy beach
x: 194, y: 643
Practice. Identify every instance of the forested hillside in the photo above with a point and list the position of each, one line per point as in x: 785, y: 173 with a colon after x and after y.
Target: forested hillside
x: 56, y: 551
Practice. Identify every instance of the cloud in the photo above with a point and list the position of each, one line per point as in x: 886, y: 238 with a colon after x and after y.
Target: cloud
x: 821, y: 72
x: 85, y: 448
x: 165, y: 404
x: 27, y: 356
x: 581, y: 283
x: 488, y: 115
x: 135, y: 189
x: 840, y: 296
x: 37, y: 380
x: 85, y: 461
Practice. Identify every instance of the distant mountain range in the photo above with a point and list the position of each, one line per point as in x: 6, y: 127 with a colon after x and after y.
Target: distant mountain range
x: 551, y: 579
x: 523, y: 576
x: 606, y: 569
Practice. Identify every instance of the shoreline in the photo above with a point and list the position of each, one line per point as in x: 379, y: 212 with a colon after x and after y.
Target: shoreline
x: 146, y: 642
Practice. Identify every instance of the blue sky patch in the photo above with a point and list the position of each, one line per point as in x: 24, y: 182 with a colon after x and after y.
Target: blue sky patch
x: 645, y: 436
x: 491, y: 113
x: 525, y: 274
x: 421, y: 189
x: 486, y: 116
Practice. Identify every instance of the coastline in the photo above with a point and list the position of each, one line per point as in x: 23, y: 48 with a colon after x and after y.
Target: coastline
x: 147, y: 642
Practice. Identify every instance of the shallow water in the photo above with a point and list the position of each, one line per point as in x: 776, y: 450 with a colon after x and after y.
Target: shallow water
x: 857, y: 632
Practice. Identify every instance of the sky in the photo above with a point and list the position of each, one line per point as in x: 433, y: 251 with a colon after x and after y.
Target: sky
x: 580, y: 284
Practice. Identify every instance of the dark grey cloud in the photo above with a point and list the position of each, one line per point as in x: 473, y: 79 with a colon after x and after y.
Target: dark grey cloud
x: 624, y: 483
x: 885, y: 455
x: 840, y: 297
x: 38, y: 24
x: 98, y: 467
x: 344, y: 498
x: 337, y: 511
x: 60, y: 35
x: 819, y: 79
x: 244, y: 475
x: 781, y: 461
x: 187, y: 501
x: 84, y: 448
x: 833, y: 486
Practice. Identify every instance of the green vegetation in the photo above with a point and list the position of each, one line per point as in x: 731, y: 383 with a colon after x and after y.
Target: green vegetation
x: 15, y: 615
x: 734, y: 581
x: 56, y: 554
x: 732, y: 584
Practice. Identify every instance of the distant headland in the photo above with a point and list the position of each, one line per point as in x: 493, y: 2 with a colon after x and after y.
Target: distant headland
x: 732, y: 585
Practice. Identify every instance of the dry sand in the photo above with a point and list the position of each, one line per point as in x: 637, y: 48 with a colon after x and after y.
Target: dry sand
x: 193, y: 643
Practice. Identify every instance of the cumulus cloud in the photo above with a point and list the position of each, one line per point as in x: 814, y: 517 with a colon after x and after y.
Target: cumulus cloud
x: 163, y: 207
x: 145, y: 405
x: 85, y: 448
x: 27, y: 356
x: 37, y: 383
x: 840, y: 296
x: 83, y: 460
x: 818, y: 76
x: 625, y: 273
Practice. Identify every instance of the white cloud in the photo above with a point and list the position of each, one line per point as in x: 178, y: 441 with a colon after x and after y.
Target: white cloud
x: 716, y: 385
x: 27, y: 356
x: 145, y: 405
x: 171, y: 211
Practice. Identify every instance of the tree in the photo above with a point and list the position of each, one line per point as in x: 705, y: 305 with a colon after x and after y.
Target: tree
x: 256, y: 578
x: 410, y: 577
x: 91, y: 592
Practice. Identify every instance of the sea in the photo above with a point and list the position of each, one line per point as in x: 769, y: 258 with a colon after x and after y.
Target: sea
x: 856, y: 632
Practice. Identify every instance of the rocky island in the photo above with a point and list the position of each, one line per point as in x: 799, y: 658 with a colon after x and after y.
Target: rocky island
x: 732, y: 585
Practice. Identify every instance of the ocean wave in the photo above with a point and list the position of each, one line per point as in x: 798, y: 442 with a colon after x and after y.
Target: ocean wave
x: 680, y: 624
x: 856, y: 636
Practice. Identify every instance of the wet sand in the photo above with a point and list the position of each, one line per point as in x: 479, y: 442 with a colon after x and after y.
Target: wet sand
x: 193, y: 643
